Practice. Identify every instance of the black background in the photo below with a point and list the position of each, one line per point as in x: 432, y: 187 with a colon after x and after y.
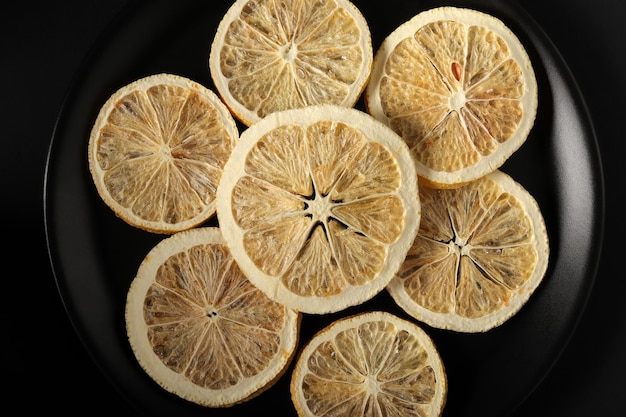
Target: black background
x: 43, y: 45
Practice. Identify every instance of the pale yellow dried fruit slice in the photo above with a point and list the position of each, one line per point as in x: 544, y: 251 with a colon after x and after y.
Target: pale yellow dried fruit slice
x: 319, y: 206
x: 272, y: 55
x: 371, y: 364
x: 200, y: 329
x: 157, y: 149
x: 481, y: 252
x: 459, y: 87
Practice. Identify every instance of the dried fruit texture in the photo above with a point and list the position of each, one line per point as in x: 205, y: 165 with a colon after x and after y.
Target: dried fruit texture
x: 314, y: 205
x: 459, y: 87
x: 200, y: 329
x: 371, y: 364
x: 271, y: 55
x: 481, y: 252
x: 157, y: 150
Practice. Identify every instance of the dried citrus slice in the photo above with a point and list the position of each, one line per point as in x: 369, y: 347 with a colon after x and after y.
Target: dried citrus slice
x: 314, y: 205
x: 157, y: 149
x: 371, y: 364
x: 200, y: 329
x: 459, y: 87
x: 481, y: 251
x: 270, y: 55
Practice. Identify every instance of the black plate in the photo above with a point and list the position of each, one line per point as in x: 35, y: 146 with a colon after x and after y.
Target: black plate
x: 95, y: 255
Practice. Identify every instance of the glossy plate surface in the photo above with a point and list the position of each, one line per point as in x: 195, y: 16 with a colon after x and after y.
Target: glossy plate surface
x: 96, y: 255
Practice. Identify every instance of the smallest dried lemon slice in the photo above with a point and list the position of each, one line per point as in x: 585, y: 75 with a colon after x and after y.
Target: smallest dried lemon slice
x: 459, y: 87
x: 372, y: 364
x: 272, y: 55
x: 200, y: 329
x: 481, y: 252
x: 157, y: 149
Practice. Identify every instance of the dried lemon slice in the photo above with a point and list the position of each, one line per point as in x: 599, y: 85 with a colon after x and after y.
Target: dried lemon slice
x: 371, y: 364
x: 200, y: 329
x: 459, y: 87
x: 481, y: 252
x: 272, y: 55
x: 157, y: 149
x: 319, y: 206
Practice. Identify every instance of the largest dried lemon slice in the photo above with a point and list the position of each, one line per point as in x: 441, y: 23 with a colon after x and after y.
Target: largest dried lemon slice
x: 319, y: 206
x: 200, y: 329
x: 481, y: 252
x: 372, y: 364
x: 459, y: 87
x: 157, y: 149
x: 271, y: 55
